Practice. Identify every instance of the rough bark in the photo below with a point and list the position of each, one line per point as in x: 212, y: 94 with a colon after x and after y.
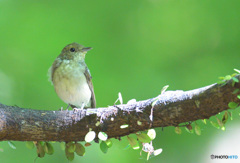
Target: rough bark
x: 171, y: 109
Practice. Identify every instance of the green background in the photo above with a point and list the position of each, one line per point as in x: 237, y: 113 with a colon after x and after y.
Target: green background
x: 139, y: 46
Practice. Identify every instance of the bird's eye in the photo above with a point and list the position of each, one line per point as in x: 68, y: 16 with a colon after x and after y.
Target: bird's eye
x: 72, y: 49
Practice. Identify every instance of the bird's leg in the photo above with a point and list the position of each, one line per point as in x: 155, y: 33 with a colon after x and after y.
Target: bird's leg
x: 61, y: 109
x: 83, y: 104
x: 67, y: 107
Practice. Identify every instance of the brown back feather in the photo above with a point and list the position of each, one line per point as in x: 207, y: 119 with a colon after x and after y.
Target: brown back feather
x: 90, y: 84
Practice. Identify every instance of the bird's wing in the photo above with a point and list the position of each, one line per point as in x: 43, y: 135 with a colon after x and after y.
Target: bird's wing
x: 89, y: 81
x: 52, y: 69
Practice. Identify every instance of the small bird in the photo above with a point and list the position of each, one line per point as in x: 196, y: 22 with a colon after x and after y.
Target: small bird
x: 71, y: 77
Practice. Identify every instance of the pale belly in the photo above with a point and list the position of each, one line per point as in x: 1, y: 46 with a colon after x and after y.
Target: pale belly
x: 72, y: 89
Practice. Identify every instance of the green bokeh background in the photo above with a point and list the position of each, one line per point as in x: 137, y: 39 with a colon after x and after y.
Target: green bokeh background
x: 139, y: 46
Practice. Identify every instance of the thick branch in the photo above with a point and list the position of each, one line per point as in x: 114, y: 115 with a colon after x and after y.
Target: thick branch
x: 172, y: 108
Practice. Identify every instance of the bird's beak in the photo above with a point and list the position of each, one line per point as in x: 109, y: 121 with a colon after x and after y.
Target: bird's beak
x: 86, y: 49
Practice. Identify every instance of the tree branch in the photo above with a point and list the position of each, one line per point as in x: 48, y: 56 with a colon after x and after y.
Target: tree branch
x: 171, y: 109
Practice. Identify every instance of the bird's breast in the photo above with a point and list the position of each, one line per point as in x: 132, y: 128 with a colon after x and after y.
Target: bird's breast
x: 71, y: 85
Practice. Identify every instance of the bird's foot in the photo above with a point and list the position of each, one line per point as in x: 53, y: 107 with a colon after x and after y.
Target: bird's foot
x: 67, y: 107
x: 76, y: 109
x: 61, y: 109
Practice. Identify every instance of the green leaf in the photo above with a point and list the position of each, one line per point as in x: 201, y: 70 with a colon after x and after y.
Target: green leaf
x: 219, y: 122
x: 30, y: 145
x: 144, y: 138
x: 109, y: 143
x: 189, y: 129
x: 90, y: 136
x: 103, y: 147
x: 40, y: 150
x: 238, y: 71
x: 225, y: 117
x: 234, y: 74
x: 221, y: 125
x: 228, y: 77
x: 151, y: 133
x: 221, y: 77
x: 70, y: 156
x: 178, y: 130
x: 197, y: 129
x: 41, y: 142
x: 45, y: 148
x: 164, y: 89
x: 12, y: 145
x: 236, y: 91
x: 214, y: 124
x: 80, y: 150
x: 124, y: 126
x: 98, y: 123
x: 133, y: 142
x: 230, y: 115
x: 232, y: 105
x: 238, y: 96
x: 221, y: 82
x: 71, y: 148
x: 48, y: 148
x: 204, y: 121
x: 62, y: 145
x: 102, y: 136
x: 157, y: 152
x: 139, y: 123
x: 235, y: 79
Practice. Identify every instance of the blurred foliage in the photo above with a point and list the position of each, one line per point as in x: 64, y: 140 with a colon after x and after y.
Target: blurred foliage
x: 138, y: 47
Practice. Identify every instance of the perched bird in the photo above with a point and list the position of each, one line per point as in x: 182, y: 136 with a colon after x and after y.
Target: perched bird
x: 71, y: 77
